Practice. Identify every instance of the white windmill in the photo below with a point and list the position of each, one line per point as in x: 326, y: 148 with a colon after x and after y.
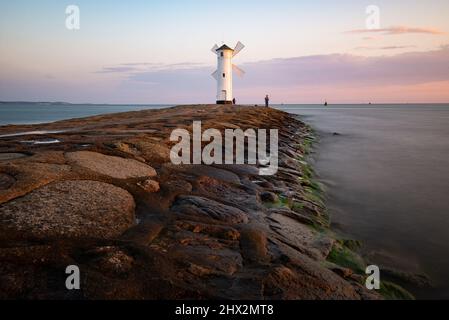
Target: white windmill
x: 223, y: 74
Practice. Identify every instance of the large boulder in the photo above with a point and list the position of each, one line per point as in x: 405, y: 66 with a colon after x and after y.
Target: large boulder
x: 115, y: 167
x: 6, y: 181
x: 207, y: 208
x: 72, y: 209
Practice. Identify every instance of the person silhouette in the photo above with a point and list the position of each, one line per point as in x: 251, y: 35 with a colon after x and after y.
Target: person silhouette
x: 267, y: 100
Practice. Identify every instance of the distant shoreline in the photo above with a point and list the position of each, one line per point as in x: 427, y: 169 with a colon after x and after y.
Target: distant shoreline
x: 28, y: 113
x: 248, y: 104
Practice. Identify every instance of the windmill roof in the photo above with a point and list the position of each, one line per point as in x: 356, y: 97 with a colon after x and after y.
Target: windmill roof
x: 224, y: 47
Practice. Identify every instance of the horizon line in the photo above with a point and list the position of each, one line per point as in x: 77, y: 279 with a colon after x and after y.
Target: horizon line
x: 243, y: 104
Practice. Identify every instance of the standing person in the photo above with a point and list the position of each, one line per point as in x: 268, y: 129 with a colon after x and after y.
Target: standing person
x: 267, y: 100
x: 233, y: 101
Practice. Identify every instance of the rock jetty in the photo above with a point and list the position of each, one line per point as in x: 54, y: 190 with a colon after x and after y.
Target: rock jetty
x: 106, y: 198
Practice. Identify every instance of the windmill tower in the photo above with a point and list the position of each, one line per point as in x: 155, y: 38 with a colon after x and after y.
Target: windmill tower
x: 223, y: 74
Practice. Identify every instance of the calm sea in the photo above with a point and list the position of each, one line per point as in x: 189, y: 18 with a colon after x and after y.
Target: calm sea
x: 32, y: 113
x: 386, y: 172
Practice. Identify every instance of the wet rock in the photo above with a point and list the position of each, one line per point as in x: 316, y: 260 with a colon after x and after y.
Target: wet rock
x: 293, y: 215
x: 171, y: 189
x: 240, y: 169
x: 45, y: 141
x: 203, y: 261
x: 145, y: 232
x: 150, y: 185
x: 253, y: 243
x: 29, y: 176
x: 364, y: 293
x: 113, y: 260
x: 239, y: 196
x: 211, y: 172
x: 199, y: 270
x: 267, y: 196
x: 153, y: 151
x: 207, y: 208
x: 226, y: 125
x: 306, y: 279
x: 342, y: 272
x: 6, y: 181
x: 278, y: 280
x: 291, y: 283
x: 177, y: 187
x: 300, y: 237
x: 11, y: 156
x: 15, y: 284
x: 217, y: 231
x: 115, y: 167
x: 125, y: 147
x: 50, y: 157
x: 264, y: 184
x: 70, y: 209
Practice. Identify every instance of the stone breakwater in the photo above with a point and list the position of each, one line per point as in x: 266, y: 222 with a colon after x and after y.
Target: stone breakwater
x: 107, y: 198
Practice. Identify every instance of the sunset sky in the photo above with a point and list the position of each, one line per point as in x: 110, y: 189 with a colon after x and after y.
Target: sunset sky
x: 159, y: 51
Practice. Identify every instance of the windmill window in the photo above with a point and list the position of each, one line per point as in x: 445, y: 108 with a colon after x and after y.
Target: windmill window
x: 221, y: 54
x: 224, y: 75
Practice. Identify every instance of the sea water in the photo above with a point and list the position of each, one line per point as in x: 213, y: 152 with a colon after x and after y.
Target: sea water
x: 386, y: 171
x: 32, y: 113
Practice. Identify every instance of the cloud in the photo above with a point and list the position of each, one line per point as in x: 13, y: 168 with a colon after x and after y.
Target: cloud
x: 139, y: 64
x: 117, y: 69
x: 184, y: 65
x: 395, y: 30
x: 351, y: 70
x: 384, y: 48
x: 136, y: 67
x: 294, y: 77
x: 340, y: 78
x: 369, y: 38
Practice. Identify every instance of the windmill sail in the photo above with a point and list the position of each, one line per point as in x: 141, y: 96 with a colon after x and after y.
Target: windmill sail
x: 214, y: 49
x: 238, y: 47
x: 238, y: 71
x: 215, y: 74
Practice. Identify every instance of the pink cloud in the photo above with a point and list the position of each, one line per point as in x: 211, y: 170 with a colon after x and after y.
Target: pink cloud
x: 340, y: 78
x: 398, y: 30
x: 384, y: 48
x: 345, y: 77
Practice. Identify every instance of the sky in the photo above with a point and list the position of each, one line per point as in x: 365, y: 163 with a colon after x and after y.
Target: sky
x: 159, y: 51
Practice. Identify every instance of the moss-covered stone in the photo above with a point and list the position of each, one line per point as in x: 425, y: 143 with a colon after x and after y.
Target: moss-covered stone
x: 282, y: 202
x: 351, y: 244
x: 391, y: 291
x: 347, y: 258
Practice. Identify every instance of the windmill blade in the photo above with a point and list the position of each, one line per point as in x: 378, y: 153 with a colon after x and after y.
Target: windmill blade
x: 215, y: 74
x: 238, y: 47
x: 214, y: 49
x: 237, y: 70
